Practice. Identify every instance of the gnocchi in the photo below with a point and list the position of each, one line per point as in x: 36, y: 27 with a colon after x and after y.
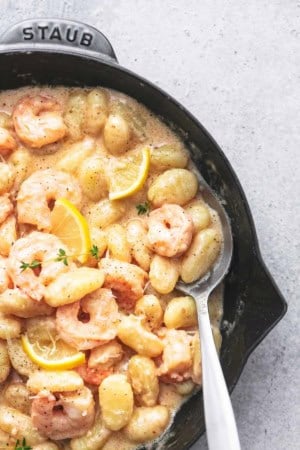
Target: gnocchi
x: 142, y: 374
x: 169, y: 157
x: 201, y: 255
x: 137, y: 238
x: 96, y: 112
x: 75, y: 154
x: 6, y: 178
x: 46, y: 446
x: 17, y: 303
x: 4, y: 278
x: 72, y: 286
x: 116, y: 134
x: 95, y: 439
x: 105, y: 213
x: 132, y: 333
x: 4, y: 361
x: 8, y: 235
x: 99, y: 239
x: 19, y: 425
x: 75, y: 115
x: 54, y: 381
x: 147, y: 423
x: 20, y: 160
x: 116, y: 401
x: 200, y: 214
x: 177, y: 186
x: 19, y: 359
x: 150, y: 309
x: 117, y: 243
x: 164, y: 274
x: 5, y: 120
x: 10, y: 326
x: 93, y: 179
x: 181, y: 312
x: 18, y: 396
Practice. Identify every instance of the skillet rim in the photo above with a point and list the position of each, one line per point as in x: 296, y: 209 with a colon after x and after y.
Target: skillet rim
x: 50, y: 49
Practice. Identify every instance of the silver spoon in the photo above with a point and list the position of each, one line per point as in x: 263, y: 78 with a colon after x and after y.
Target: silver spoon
x: 220, y: 423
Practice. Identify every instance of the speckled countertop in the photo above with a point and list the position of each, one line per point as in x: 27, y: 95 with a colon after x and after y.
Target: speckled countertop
x: 236, y: 65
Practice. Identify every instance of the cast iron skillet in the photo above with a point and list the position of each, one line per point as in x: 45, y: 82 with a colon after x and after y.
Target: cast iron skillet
x: 62, y: 52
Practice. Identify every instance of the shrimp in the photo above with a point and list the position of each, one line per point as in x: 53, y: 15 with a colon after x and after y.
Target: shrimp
x: 7, y: 142
x: 177, y: 358
x: 100, y: 363
x: 170, y: 230
x: 4, y: 278
x: 106, y: 355
x: 37, y: 193
x: 6, y: 207
x: 90, y: 322
x: 95, y: 375
x: 38, y: 121
x: 41, y: 248
x: 63, y: 415
x: 127, y: 281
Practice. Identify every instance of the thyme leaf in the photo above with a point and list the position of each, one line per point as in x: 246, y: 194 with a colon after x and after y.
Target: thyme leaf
x: 32, y: 265
x: 62, y: 256
x: 94, y: 251
x: 143, y: 208
x: 22, y: 445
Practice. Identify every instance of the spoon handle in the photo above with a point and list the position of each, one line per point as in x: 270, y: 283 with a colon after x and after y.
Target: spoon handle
x: 219, y: 417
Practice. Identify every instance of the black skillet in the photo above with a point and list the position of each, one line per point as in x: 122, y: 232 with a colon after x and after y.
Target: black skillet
x: 62, y: 52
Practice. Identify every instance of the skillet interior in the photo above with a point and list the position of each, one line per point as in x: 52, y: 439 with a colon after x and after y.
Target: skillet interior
x: 253, y: 304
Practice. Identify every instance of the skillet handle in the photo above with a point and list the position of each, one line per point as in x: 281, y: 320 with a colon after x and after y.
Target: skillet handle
x: 59, y: 35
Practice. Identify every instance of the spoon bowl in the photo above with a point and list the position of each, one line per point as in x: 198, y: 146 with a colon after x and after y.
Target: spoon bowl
x: 209, y: 281
x: 219, y: 417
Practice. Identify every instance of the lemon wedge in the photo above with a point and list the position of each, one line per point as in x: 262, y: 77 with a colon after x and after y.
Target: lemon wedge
x: 71, y: 227
x: 130, y: 175
x: 57, y: 356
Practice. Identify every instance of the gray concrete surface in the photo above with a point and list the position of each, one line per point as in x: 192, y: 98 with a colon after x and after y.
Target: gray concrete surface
x: 235, y: 65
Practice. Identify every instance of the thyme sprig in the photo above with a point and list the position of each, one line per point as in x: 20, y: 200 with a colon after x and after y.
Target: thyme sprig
x: 32, y: 265
x: 22, y: 445
x: 62, y: 256
x: 143, y: 208
x: 94, y: 251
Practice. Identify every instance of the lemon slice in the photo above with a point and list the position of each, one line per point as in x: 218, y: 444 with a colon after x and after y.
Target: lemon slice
x: 71, y: 227
x: 54, y: 356
x: 130, y: 176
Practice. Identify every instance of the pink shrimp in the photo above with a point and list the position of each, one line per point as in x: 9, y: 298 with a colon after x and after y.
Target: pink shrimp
x: 177, y: 358
x: 63, y: 415
x: 38, y: 121
x: 106, y: 355
x: 95, y: 375
x: 170, y: 230
x: 90, y: 322
x: 38, y: 192
x: 6, y: 207
x: 42, y: 248
x: 127, y: 281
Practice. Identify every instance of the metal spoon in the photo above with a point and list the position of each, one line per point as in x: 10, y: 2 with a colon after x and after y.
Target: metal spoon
x: 219, y: 417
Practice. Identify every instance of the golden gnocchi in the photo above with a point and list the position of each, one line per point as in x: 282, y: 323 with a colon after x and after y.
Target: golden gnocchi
x: 144, y: 380
x: 177, y: 186
x: 116, y: 401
